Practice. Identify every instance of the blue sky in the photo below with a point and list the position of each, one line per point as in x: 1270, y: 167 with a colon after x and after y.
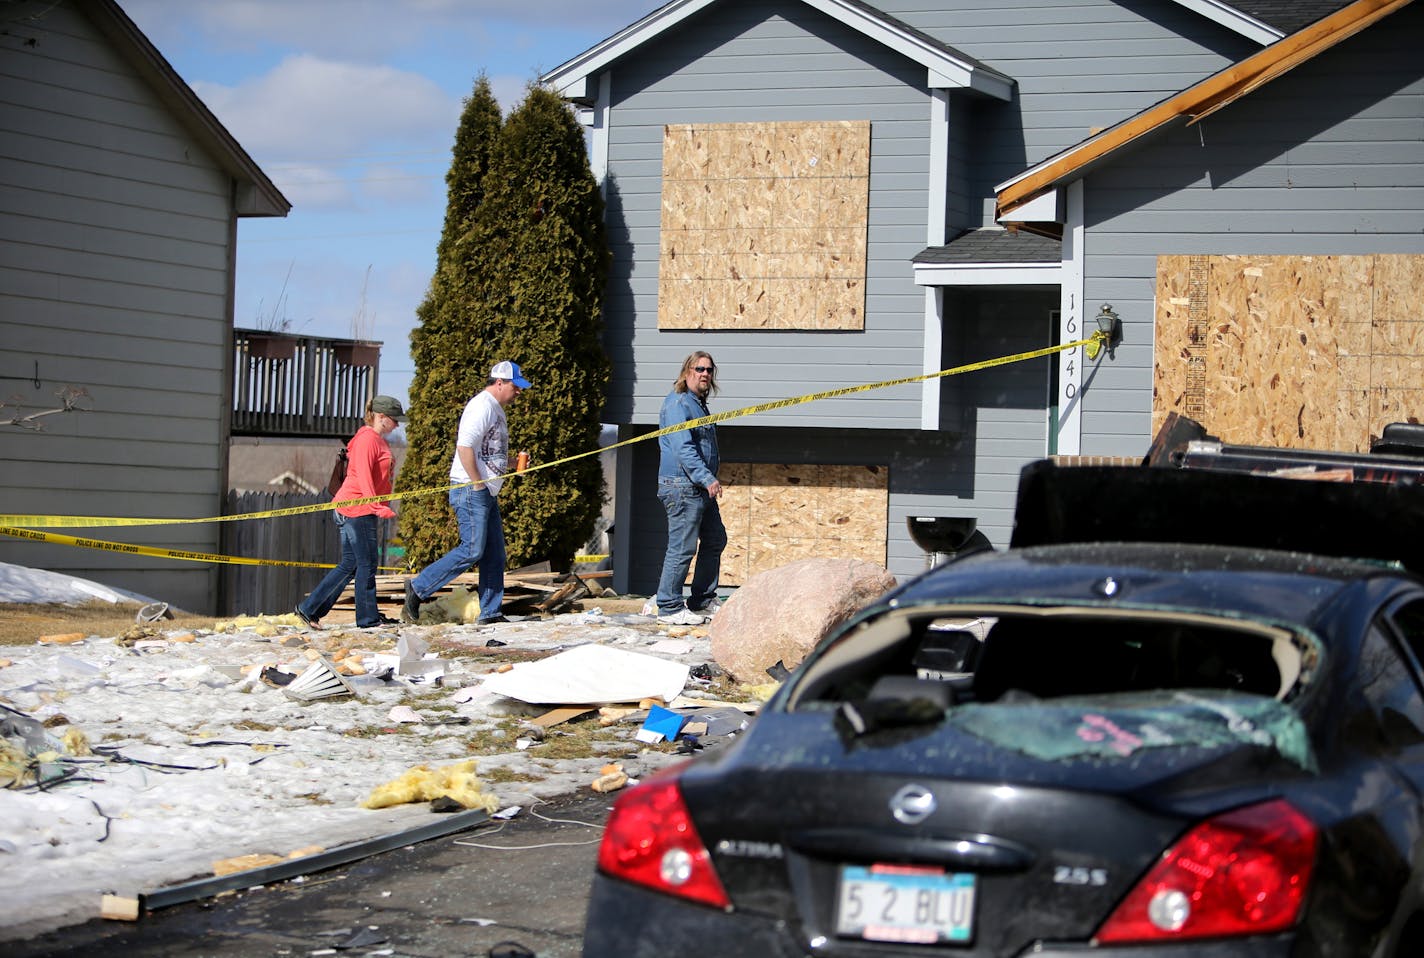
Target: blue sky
x: 350, y: 107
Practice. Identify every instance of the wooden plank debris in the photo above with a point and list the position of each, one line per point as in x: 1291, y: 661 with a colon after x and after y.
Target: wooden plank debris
x: 559, y: 716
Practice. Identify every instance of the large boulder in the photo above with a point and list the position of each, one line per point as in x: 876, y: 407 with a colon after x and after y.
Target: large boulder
x: 781, y: 614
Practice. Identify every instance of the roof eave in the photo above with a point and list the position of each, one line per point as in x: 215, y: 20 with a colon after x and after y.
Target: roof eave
x: 1233, y: 19
x: 255, y: 193
x: 571, y: 78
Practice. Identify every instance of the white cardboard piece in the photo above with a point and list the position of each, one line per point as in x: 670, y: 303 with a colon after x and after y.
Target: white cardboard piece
x: 591, y: 675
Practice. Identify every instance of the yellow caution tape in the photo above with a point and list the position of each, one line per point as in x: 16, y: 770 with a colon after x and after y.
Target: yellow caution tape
x: 1092, y: 346
x: 129, y: 549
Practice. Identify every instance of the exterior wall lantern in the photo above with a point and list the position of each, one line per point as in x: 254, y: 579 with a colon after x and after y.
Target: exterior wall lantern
x: 1109, y: 329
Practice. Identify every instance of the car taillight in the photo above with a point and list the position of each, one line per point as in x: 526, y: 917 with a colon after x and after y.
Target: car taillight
x: 1241, y: 873
x: 650, y: 841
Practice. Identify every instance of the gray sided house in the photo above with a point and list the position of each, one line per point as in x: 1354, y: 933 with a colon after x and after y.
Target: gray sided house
x: 827, y: 193
x: 119, y: 199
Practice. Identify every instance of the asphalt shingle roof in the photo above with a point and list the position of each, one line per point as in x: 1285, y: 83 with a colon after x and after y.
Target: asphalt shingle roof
x: 994, y: 245
x: 1289, y: 15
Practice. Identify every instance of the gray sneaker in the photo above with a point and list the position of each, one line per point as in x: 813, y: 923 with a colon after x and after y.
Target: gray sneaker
x: 710, y: 609
x: 410, y: 611
x: 682, y: 617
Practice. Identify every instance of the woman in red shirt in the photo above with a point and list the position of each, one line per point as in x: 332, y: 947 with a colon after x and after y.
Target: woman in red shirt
x: 368, y: 473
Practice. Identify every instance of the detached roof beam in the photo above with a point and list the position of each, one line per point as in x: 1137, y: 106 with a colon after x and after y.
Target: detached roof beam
x: 1195, y: 102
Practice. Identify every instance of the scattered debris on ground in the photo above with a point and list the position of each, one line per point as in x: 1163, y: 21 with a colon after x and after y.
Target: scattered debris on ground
x: 163, y: 755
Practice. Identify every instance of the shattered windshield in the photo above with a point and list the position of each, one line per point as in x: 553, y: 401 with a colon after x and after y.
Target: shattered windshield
x: 1123, y: 724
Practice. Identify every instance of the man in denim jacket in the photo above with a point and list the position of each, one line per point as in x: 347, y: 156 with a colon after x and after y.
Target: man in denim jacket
x: 688, y: 489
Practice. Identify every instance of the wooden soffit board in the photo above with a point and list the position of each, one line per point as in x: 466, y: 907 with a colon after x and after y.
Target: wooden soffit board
x: 777, y: 514
x: 1310, y: 352
x: 764, y: 226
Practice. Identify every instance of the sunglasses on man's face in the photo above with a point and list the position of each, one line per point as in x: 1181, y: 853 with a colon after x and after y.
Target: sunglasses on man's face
x: 703, y: 369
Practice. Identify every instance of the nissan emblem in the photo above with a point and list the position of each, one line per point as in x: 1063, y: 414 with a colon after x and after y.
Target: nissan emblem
x: 912, y: 804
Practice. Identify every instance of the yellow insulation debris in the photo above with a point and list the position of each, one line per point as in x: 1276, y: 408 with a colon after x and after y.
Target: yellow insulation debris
x: 423, y: 784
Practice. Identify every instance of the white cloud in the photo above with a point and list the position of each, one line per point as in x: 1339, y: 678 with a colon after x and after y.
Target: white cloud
x: 309, y: 108
x: 326, y: 131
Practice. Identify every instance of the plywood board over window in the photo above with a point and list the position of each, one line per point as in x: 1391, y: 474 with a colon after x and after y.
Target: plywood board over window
x: 764, y: 226
x: 777, y: 514
x: 1308, y: 352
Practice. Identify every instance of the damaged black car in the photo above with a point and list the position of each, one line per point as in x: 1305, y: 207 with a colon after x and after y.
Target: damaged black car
x: 1183, y: 714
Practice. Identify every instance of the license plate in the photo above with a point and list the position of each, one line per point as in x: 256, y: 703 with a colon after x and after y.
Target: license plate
x: 905, y: 903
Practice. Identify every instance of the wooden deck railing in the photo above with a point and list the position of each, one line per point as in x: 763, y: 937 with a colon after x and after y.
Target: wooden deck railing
x: 286, y: 385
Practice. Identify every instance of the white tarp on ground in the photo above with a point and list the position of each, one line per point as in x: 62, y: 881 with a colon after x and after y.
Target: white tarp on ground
x: 591, y: 675
x: 23, y: 584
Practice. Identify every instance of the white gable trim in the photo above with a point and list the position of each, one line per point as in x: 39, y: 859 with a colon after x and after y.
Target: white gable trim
x: 945, y: 70
x: 1233, y: 19
x: 573, y: 79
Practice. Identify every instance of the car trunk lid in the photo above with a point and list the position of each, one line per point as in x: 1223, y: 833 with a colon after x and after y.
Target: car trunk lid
x: 1046, y: 826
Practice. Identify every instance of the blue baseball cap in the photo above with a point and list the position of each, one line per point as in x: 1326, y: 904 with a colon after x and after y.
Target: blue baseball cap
x: 510, y: 371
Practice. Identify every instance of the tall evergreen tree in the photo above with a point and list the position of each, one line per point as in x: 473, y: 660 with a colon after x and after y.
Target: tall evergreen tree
x: 443, y: 344
x: 544, y: 253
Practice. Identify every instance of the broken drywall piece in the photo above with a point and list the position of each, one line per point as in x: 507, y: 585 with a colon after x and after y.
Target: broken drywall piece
x: 404, y: 713
x: 672, y: 646
x: 410, y: 647
x: 591, y: 675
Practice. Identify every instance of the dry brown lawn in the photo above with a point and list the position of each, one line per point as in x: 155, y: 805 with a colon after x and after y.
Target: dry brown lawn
x: 24, y: 623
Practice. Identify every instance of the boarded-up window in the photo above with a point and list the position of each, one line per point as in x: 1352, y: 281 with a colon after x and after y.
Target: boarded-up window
x: 764, y: 226
x: 1308, y: 352
x: 777, y: 514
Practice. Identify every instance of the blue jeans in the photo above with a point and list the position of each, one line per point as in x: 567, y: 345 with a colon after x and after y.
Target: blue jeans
x: 692, y: 515
x: 481, y: 544
x: 358, y: 561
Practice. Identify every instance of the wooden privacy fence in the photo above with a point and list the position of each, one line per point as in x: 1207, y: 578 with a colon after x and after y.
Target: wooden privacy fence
x: 308, y: 537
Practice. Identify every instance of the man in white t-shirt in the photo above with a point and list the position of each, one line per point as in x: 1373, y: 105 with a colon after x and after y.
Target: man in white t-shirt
x: 481, y: 460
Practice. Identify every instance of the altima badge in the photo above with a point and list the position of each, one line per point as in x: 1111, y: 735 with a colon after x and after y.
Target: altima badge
x: 912, y: 804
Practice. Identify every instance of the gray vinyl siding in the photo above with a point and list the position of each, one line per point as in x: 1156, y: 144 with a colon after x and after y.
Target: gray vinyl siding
x: 1079, y: 66
x: 921, y: 466
x: 993, y: 423
x: 1328, y: 159
x: 962, y: 206
x: 115, y: 270
x: 743, y: 62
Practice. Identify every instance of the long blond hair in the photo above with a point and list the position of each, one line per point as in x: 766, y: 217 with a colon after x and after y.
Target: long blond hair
x: 688, y: 363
